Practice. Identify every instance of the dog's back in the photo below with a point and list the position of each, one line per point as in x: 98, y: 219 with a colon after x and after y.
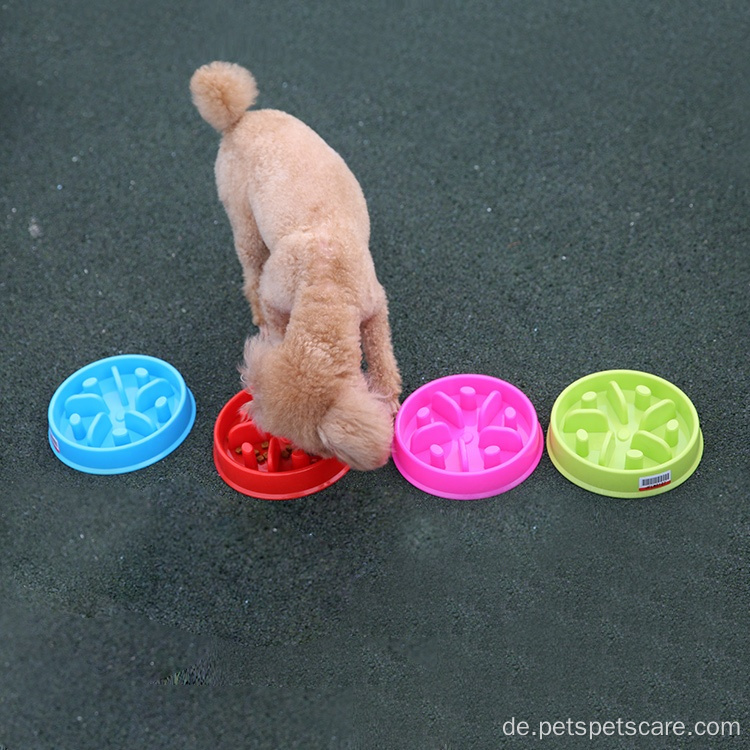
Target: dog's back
x: 291, y: 176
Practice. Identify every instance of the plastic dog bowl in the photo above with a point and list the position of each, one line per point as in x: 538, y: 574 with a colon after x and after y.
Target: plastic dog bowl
x: 120, y: 414
x: 466, y: 437
x: 263, y: 466
x: 624, y: 433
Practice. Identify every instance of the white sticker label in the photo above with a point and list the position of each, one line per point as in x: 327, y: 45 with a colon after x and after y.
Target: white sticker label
x: 654, y: 481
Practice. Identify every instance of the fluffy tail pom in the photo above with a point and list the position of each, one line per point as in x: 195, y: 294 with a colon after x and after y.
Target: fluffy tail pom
x: 222, y: 92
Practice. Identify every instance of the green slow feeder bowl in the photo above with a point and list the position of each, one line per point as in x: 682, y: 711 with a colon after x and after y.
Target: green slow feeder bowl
x: 624, y: 433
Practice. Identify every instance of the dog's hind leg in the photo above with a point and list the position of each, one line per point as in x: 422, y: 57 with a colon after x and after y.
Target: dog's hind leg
x: 383, y: 376
x: 253, y: 254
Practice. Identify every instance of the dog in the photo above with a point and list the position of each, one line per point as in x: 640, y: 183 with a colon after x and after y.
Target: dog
x: 301, y: 231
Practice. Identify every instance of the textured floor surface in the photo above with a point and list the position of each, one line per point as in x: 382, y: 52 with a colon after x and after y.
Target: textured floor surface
x: 555, y: 189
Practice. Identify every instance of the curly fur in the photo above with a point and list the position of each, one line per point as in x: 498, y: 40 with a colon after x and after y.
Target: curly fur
x: 301, y: 231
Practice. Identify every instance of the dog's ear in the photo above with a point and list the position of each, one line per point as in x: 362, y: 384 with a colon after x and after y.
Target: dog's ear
x: 358, y: 430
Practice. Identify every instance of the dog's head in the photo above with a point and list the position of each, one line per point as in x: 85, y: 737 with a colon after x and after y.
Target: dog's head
x: 321, y: 416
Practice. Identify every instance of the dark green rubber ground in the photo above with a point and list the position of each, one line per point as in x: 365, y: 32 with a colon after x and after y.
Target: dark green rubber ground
x: 555, y: 189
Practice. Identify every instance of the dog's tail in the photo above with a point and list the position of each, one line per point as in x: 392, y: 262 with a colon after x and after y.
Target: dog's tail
x: 222, y: 92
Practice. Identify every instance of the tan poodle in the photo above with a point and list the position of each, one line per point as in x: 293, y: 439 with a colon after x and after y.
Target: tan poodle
x: 301, y: 231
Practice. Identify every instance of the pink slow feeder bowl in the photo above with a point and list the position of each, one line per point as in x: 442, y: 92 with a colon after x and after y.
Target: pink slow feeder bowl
x: 467, y: 437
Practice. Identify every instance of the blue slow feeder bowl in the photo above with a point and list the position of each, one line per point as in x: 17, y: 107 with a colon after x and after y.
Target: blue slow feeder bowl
x: 120, y: 414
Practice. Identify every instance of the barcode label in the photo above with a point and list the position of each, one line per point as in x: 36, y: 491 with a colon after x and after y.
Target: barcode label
x: 652, y: 482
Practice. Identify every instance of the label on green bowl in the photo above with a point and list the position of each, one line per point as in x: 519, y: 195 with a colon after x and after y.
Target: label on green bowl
x: 654, y: 481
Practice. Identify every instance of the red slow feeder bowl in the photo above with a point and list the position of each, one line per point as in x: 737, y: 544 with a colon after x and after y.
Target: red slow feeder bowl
x: 260, y: 465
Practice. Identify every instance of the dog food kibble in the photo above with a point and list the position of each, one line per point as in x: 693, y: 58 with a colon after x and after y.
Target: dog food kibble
x: 274, y: 454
